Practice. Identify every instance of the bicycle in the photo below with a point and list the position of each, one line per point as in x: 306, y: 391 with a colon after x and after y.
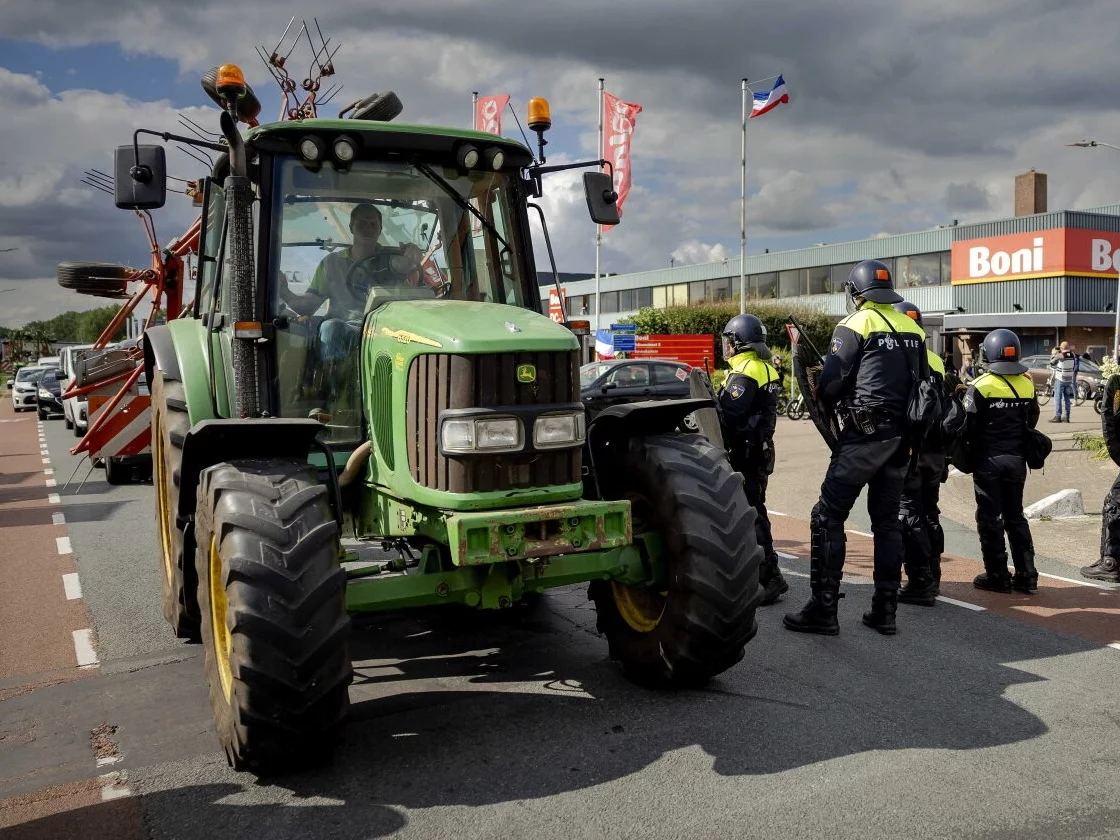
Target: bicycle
x: 796, y: 408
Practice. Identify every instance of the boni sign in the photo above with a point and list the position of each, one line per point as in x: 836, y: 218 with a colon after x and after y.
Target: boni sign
x: 1047, y: 253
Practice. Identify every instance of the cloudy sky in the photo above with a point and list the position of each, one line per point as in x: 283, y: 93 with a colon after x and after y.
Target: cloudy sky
x: 904, y: 114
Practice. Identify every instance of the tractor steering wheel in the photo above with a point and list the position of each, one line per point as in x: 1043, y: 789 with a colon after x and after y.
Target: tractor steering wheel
x: 389, y: 267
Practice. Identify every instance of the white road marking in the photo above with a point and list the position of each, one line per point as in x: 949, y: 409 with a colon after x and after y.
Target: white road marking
x: 113, y: 786
x: 64, y: 546
x: 52, y: 483
x: 58, y: 519
x: 965, y: 604
x: 54, y: 499
x: 794, y: 574
x: 46, y: 460
x: 1071, y: 580
x: 860, y: 533
x: 48, y: 471
x: 72, y: 586
x: 107, y: 760
x: 776, y: 513
x: 1115, y: 645
x: 785, y: 556
x: 83, y: 648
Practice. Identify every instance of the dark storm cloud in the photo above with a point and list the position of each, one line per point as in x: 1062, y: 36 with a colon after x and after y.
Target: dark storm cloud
x: 967, y: 197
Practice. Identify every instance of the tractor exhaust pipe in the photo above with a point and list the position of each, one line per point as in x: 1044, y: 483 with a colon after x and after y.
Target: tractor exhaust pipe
x: 240, y: 273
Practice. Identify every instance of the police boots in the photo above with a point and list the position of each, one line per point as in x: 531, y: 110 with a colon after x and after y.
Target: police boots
x: 920, y: 588
x: 771, y: 580
x: 1107, y: 568
x: 819, y: 615
x: 994, y: 577
x: 884, y: 605
x: 1025, y: 579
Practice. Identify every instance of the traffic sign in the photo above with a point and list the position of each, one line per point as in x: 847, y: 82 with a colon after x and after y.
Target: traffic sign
x: 624, y: 328
x: 624, y: 343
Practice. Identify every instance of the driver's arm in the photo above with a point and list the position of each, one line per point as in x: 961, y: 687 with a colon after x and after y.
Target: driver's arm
x: 310, y: 301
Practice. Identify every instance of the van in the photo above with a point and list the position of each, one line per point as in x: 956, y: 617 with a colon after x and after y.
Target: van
x: 49, y: 361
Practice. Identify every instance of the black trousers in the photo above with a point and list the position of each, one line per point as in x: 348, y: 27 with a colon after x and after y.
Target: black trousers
x: 998, y: 482
x: 754, y: 484
x: 877, y: 462
x: 922, y: 537
x: 1110, y: 522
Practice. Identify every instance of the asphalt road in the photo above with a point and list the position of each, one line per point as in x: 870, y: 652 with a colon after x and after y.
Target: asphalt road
x: 977, y: 721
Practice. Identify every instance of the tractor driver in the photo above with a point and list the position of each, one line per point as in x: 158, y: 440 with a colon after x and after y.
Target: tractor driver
x: 343, y: 279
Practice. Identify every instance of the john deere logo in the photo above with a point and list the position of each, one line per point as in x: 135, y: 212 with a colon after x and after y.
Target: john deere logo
x: 526, y: 373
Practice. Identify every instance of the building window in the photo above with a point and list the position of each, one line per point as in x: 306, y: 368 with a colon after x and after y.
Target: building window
x: 719, y: 289
x: 946, y: 268
x: 817, y: 280
x: 643, y: 298
x: 839, y: 276
x: 791, y: 283
x: 608, y: 301
x: 666, y: 296
x: 764, y: 285
x: 696, y: 292
x: 626, y: 300
x: 919, y: 270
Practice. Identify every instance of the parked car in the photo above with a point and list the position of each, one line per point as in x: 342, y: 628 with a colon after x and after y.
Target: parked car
x: 24, y: 387
x: 73, y: 409
x: 631, y: 380
x: 49, y: 361
x: 48, y: 397
x: 1089, y: 378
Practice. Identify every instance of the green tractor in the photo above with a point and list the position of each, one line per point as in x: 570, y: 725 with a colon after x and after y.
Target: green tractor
x: 408, y: 393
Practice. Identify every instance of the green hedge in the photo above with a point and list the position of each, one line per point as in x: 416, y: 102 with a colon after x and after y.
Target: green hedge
x: 711, y: 319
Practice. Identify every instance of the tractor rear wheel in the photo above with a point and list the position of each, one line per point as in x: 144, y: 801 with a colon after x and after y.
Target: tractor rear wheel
x: 684, y: 491
x: 170, y: 425
x: 274, y: 624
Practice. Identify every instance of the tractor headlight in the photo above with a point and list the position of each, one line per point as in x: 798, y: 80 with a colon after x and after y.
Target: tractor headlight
x: 344, y: 150
x: 558, y: 430
x: 481, y: 434
x: 311, y: 148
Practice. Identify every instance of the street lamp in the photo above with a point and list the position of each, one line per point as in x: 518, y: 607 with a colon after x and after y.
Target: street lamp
x: 1092, y: 144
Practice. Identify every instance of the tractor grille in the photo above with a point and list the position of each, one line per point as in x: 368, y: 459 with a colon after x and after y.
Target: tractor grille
x: 382, y: 420
x: 437, y: 382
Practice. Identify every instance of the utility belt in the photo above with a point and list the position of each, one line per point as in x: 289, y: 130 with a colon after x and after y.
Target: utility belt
x: 867, y: 418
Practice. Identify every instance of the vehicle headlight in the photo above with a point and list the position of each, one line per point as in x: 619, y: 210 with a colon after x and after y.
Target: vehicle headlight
x: 44, y: 394
x: 557, y: 430
x: 481, y: 434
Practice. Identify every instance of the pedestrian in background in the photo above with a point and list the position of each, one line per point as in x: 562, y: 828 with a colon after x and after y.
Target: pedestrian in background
x: 968, y: 370
x: 1066, y: 365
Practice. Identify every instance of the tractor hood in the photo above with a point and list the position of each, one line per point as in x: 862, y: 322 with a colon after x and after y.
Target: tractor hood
x: 454, y: 326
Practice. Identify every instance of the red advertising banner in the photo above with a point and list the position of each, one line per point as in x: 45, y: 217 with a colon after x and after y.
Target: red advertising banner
x: 1045, y: 253
x: 488, y: 113
x: 690, y: 349
x: 619, y: 121
x: 557, y: 302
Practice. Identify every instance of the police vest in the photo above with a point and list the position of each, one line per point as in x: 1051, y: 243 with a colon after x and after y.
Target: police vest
x: 888, y: 359
x: 1002, y: 407
x: 753, y: 416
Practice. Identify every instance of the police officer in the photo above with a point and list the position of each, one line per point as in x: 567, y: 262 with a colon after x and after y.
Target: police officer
x: 922, y: 538
x: 999, y: 408
x: 875, y: 355
x: 749, y: 403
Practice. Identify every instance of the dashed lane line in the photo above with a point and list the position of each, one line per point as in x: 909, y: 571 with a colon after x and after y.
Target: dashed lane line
x: 72, y: 586
x: 54, y: 499
x: 113, y: 786
x: 83, y: 649
x: 860, y: 533
x: 58, y: 519
x: 64, y: 546
x: 1072, y: 580
x: 48, y: 471
x: 52, y: 483
x: 965, y: 604
x: 46, y: 460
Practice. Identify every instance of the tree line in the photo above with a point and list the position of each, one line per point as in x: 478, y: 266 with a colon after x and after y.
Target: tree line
x: 69, y: 327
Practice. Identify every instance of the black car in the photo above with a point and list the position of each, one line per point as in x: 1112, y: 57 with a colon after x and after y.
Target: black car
x: 48, y: 396
x: 631, y: 380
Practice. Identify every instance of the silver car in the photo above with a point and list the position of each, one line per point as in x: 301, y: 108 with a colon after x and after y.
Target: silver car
x: 25, y: 387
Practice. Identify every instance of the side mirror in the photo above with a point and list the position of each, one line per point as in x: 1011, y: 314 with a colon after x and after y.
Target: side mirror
x: 141, y: 177
x: 602, y: 200
x: 10, y: 384
x: 609, y: 386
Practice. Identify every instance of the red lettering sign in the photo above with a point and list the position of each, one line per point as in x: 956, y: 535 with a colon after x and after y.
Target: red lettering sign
x: 1045, y: 253
x: 557, y: 303
x: 619, y: 121
x: 691, y: 349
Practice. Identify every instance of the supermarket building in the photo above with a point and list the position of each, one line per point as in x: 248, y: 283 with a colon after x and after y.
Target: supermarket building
x: 1050, y: 276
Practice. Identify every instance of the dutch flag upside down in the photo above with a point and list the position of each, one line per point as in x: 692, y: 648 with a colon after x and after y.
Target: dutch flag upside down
x: 604, y: 345
x: 768, y: 100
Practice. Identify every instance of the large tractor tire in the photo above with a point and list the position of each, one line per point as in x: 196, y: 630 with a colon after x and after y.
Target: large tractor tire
x: 683, y: 489
x: 381, y: 107
x: 170, y: 425
x: 274, y: 624
x: 98, y: 279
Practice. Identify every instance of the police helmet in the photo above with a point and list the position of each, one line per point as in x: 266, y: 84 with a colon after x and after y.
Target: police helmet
x: 871, y: 280
x: 910, y: 310
x: 1003, y: 351
x: 745, y: 332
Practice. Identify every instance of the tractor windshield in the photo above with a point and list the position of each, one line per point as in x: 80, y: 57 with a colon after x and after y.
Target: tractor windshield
x: 343, y: 240
x: 393, y: 225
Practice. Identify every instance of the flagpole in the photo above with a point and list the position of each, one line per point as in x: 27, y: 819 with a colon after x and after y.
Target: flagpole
x: 474, y: 108
x: 743, y: 212
x: 599, y: 228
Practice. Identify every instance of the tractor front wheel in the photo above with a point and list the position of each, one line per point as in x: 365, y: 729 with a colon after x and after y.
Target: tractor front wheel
x: 274, y: 624
x: 696, y: 623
